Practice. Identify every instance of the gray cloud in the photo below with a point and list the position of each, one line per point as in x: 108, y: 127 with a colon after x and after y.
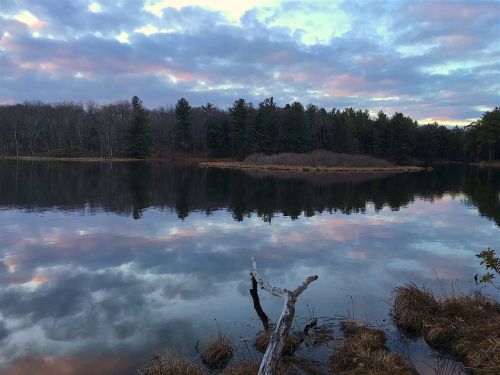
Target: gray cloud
x: 204, y: 57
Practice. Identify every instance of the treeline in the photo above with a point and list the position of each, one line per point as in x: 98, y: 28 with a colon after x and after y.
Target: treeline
x: 127, y: 128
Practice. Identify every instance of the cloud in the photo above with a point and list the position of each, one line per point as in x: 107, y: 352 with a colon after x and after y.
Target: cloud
x: 334, y: 54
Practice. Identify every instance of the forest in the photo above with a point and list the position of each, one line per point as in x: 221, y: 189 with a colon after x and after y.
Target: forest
x: 127, y: 128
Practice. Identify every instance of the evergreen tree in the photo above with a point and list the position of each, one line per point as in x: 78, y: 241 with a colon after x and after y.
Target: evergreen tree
x: 182, y: 134
x: 402, y: 135
x: 489, y: 131
x: 239, y: 128
x: 217, y: 137
x: 138, y: 136
x: 380, y: 133
x: 266, y: 127
x: 312, y: 127
x: 427, y: 142
x: 295, y: 128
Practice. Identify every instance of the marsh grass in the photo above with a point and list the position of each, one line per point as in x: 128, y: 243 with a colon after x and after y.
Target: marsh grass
x: 465, y: 327
x: 218, y: 353
x: 412, y: 304
x: 364, y: 352
x: 171, y: 366
x: 318, y: 158
x: 292, y: 342
x: 316, y: 161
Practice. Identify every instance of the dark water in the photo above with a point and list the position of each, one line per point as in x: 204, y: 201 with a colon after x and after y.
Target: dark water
x: 103, y: 265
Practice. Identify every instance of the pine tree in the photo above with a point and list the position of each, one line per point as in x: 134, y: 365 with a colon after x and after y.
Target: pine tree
x: 266, y: 127
x: 138, y: 136
x: 295, y: 127
x: 489, y: 131
x: 239, y: 132
x: 182, y: 133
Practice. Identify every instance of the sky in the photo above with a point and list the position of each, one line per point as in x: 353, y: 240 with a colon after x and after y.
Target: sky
x: 432, y: 60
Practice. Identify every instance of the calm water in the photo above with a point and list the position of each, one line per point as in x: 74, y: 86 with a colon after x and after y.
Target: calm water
x: 103, y: 265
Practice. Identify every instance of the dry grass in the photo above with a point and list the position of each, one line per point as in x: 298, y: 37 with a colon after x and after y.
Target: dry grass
x: 305, y: 168
x: 318, y: 158
x: 316, y: 161
x: 322, y: 336
x: 292, y: 342
x: 218, y: 353
x: 172, y: 366
x: 364, y: 352
x: 410, y: 306
x: 466, y: 327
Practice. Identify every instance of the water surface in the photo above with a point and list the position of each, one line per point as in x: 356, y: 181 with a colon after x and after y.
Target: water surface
x: 103, y: 265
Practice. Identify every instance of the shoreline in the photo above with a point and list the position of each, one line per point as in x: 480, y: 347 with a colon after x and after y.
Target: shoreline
x: 182, y: 158
x: 487, y: 164
x: 68, y: 158
x: 307, y: 168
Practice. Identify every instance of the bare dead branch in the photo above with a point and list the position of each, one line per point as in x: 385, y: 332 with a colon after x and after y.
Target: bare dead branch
x: 278, y: 292
x: 277, y: 341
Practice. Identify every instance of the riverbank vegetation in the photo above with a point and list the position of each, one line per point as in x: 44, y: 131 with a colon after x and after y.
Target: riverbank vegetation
x: 363, y: 352
x: 464, y: 327
x: 127, y: 128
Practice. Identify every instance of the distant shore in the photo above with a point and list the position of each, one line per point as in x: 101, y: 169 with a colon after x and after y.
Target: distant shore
x: 306, y: 168
x: 64, y: 158
x: 194, y: 159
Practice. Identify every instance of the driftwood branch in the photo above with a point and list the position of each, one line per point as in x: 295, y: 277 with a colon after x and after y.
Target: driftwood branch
x: 277, y: 341
x: 278, y: 292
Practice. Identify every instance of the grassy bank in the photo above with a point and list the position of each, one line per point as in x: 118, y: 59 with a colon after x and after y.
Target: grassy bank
x: 464, y: 327
x: 319, y: 161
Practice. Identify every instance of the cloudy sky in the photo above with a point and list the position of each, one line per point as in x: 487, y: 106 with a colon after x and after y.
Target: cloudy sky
x: 433, y: 60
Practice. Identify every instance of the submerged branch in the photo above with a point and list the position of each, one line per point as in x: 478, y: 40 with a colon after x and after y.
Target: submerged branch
x: 257, y: 306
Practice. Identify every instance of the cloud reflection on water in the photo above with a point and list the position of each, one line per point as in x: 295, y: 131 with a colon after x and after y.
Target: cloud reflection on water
x: 106, y: 291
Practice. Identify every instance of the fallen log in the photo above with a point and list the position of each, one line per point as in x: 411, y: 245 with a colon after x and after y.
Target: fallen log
x: 277, y: 341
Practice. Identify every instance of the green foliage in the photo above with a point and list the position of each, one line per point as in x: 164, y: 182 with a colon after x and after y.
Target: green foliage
x: 266, y: 130
x: 138, y: 135
x: 492, y: 263
x: 217, y: 137
x: 294, y: 121
x: 483, y: 137
x: 402, y: 138
x: 183, y: 140
x: 240, y: 134
x: 38, y: 128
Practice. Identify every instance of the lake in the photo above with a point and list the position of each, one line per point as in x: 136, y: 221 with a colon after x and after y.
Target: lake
x: 103, y: 265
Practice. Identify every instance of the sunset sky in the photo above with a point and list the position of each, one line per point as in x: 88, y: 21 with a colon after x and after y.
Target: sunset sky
x: 432, y: 60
